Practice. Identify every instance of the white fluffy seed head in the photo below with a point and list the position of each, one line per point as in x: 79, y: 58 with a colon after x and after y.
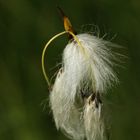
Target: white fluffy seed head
x: 94, y: 121
x: 87, y: 69
x: 66, y: 115
x: 89, y: 66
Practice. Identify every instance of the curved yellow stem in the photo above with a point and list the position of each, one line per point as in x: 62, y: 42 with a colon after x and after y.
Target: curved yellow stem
x: 46, y: 46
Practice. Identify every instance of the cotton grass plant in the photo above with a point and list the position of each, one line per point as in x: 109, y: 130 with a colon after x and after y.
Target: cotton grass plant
x: 86, y: 74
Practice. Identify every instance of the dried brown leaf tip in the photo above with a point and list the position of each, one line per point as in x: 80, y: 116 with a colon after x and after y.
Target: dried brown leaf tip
x: 67, y: 24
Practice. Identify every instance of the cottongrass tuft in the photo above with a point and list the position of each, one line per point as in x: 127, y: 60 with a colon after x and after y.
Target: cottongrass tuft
x: 82, y: 81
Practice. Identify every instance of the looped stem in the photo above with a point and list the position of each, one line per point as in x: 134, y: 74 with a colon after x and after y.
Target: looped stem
x: 46, y: 46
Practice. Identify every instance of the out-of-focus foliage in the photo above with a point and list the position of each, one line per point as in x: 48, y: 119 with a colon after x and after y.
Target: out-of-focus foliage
x: 25, y: 27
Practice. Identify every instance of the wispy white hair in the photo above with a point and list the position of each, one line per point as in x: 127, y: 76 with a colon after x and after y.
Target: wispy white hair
x: 85, y: 71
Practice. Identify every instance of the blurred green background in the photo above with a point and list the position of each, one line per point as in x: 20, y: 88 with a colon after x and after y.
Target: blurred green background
x: 25, y: 27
